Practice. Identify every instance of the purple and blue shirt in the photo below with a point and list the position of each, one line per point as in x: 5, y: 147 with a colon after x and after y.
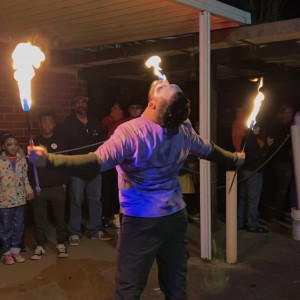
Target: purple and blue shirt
x: 148, y: 158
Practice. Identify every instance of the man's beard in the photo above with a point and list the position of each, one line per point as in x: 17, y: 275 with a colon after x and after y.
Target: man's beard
x: 81, y: 111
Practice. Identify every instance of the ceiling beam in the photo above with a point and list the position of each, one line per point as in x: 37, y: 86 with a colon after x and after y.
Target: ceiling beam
x: 136, y: 54
x: 252, y: 51
x: 274, y: 34
x: 258, y: 34
x: 137, y: 68
x: 251, y: 57
x: 218, y: 9
x: 127, y: 52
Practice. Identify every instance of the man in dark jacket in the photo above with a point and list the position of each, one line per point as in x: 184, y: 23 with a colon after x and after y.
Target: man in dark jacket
x: 83, y: 134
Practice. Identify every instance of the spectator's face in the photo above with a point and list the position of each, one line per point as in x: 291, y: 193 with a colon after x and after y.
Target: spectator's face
x: 256, y: 130
x: 10, y: 146
x: 135, y: 110
x: 47, y: 124
x: 287, y: 116
x: 80, y: 107
x: 116, y: 112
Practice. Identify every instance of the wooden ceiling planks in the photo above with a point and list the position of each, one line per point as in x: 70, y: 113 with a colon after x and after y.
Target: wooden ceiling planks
x: 86, y: 23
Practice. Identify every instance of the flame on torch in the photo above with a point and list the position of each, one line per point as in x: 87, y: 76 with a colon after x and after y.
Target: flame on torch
x: 154, y: 62
x: 256, y: 105
x: 25, y: 57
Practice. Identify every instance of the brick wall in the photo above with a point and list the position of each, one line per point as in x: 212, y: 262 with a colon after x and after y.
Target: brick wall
x: 50, y: 90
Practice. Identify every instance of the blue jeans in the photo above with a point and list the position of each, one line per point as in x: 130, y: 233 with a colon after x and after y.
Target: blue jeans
x: 11, y: 227
x: 93, y: 194
x: 249, y: 194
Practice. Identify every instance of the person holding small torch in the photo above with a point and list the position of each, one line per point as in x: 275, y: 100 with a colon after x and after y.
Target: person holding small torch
x: 251, y: 176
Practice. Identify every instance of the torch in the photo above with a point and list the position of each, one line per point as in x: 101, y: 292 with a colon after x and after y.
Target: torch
x: 154, y: 62
x: 25, y: 57
x: 252, y: 118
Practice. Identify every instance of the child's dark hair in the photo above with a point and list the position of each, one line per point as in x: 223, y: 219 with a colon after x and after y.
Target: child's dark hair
x: 2, y: 134
x: 5, y: 136
x: 47, y: 113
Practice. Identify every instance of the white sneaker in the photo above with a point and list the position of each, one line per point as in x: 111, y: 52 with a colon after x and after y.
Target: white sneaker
x: 39, y: 251
x: 62, y: 251
x: 196, y: 216
x: 101, y: 235
x: 74, y: 240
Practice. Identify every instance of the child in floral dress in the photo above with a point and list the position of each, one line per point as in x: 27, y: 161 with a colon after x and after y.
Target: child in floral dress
x: 14, y: 191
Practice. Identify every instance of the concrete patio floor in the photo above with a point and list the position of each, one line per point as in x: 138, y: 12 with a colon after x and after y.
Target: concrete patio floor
x: 268, y: 268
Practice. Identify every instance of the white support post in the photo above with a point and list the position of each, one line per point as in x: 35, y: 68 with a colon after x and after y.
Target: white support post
x: 295, y: 136
x: 204, y: 124
x: 231, y: 218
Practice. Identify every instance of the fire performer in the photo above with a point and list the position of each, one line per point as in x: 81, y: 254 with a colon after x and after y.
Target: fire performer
x: 148, y: 152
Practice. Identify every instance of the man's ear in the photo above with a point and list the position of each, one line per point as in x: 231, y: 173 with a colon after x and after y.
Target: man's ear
x: 151, y: 104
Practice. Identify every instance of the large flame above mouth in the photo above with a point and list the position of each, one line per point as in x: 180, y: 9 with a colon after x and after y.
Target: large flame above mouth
x: 256, y: 105
x: 25, y: 57
x: 154, y: 62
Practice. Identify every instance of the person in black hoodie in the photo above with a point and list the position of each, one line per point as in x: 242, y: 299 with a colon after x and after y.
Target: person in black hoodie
x: 53, y: 191
x: 256, y: 149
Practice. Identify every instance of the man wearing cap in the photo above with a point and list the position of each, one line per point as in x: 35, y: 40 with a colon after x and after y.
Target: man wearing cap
x: 83, y: 134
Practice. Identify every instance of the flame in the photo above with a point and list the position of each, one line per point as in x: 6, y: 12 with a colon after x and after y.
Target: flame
x: 25, y: 57
x: 154, y: 62
x: 256, y: 106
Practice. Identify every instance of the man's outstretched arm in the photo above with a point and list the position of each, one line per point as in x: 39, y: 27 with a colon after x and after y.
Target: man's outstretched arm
x: 85, y: 166
x: 220, y: 155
